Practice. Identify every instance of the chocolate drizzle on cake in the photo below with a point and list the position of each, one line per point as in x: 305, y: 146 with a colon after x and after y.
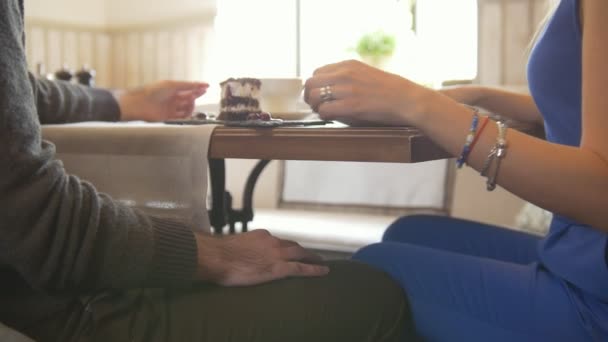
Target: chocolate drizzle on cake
x: 243, y: 81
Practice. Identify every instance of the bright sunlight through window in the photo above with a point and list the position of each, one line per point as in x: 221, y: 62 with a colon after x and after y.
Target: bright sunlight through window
x: 436, y: 40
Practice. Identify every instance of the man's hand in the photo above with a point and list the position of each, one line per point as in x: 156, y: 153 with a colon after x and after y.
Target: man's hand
x: 160, y: 101
x: 253, y: 258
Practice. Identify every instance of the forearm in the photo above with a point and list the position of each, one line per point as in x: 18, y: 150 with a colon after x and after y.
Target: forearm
x: 508, y: 104
x: 570, y: 181
x: 63, y: 102
x: 57, y: 231
x: 62, y: 236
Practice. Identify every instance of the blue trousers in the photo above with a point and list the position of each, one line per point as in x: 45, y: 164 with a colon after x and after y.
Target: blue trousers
x: 471, y: 282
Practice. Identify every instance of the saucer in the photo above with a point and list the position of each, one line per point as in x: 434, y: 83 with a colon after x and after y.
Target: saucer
x: 296, y: 115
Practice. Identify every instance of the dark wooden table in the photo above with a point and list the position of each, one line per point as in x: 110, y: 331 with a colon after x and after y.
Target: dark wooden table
x: 334, y: 142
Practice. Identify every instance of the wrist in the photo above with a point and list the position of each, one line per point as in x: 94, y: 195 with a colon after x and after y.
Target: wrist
x: 425, y: 102
x: 470, y: 95
x: 125, y: 103
x: 432, y: 107
x: 209, y: 260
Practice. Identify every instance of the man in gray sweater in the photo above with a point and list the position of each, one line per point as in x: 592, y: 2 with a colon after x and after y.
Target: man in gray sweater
x: 76, y: 265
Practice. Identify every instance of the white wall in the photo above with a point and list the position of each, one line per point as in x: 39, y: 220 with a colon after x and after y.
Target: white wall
x: 111, y: 13
x: 128, y: 42
x: 130, y: 12
x: 89, y: 12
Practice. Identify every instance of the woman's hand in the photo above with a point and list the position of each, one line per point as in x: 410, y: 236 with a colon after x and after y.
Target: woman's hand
x: 361, y: 93
x: 160, y: 101
x: 253, y: 258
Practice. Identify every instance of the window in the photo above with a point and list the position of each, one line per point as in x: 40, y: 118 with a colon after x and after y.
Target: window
x: 436, y: 39
x: 254, y: 39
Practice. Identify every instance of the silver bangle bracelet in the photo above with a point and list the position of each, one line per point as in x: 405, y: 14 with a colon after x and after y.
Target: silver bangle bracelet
x: 498, y: 152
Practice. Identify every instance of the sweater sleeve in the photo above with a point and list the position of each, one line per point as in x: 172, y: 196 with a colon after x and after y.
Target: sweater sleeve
x: 57, y: 231
x: 63, y: 102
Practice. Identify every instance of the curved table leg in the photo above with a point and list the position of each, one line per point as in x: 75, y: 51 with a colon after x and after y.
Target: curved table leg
x: 221, y: 212
x: 246, y: 214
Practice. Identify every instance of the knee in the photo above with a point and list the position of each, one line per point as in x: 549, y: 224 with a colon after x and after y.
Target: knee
x: 408, y: 226
x: 379, y: 255
x: 369, y: 253
x: 386, y: 309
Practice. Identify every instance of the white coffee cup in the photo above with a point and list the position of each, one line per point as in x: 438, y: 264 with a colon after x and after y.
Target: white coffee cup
x: 280, y: 95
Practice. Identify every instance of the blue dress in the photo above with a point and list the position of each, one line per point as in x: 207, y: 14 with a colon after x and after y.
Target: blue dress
x: 467, y: 281
x: 575, y: 252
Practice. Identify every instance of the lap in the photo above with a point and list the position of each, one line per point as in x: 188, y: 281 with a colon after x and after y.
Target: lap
x: 465, y: 237
x: 353, y: 303
x: 460, y: 297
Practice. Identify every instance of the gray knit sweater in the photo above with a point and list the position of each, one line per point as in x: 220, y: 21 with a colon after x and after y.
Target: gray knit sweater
x: 59, y: 238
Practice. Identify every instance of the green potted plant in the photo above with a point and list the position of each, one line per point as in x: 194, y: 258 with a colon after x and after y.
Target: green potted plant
x: 376, y: 48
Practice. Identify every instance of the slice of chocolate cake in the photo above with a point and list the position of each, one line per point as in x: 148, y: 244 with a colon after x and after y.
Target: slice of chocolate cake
x: 240, y: 98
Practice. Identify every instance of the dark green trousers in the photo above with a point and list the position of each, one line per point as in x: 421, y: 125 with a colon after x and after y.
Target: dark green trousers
x: 353, y: 303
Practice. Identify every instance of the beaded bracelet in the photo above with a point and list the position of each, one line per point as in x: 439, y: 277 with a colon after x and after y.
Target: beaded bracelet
x: 498, y: 152
x: 466, y: 149
x: 479, y: 131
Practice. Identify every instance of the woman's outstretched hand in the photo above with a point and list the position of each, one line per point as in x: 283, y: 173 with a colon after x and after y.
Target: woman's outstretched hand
x: 160, y: 101
x: 253, y: 258
x: 361, y: 93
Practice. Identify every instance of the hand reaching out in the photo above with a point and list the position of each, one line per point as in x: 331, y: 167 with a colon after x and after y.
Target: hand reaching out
x: 253, y: 258
x: 160, y: 101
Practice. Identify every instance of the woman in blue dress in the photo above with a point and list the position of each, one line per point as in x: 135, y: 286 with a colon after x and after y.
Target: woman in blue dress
x: 468, y: 281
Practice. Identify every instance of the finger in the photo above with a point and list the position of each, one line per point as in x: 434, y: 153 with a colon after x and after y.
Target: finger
x: 298, y: 253
x: 287, y: 243
x: 328, y: 68
x: 314, y: 99
x: 338, y: 92
x: 330, y: 79
x: 184, y: 109
x: 201, y: 93
x: 298, y: 269
x: 184, y: 99
x: 185, y: 85
x: 190, y: 94
x: 323, y: 80
x: 198, y: 93
x: 332, y: 110
x: 179, y: 115
x: 189, y: 108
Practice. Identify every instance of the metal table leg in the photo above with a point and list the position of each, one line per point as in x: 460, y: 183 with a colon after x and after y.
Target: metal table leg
x: 246, y: 214
x: 217, y: 213
x: 221, y: 212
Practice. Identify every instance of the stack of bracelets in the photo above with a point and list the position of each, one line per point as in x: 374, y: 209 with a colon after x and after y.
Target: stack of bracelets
x: 498, y: 152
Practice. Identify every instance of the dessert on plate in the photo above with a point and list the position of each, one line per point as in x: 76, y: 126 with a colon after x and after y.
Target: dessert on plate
x: 241, y: 100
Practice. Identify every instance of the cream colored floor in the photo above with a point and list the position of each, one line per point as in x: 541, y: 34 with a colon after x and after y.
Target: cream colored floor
x: 323, y: 230
x: 346, y: 232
